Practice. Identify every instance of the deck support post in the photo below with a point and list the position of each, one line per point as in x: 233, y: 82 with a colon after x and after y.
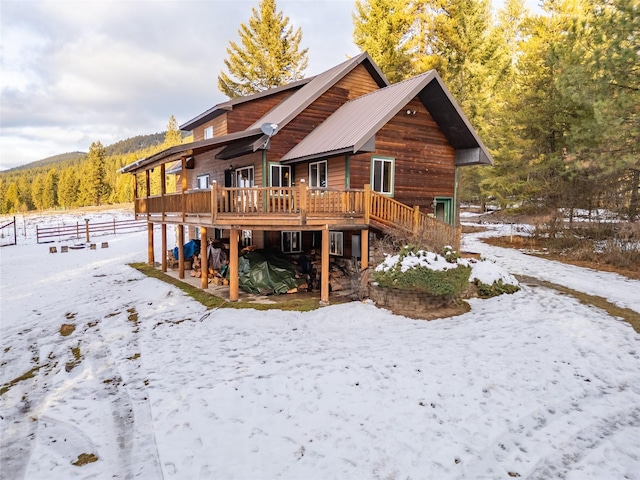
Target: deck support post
x: 233, y: 265
x: 183, y: 175
x: 181, y: 251
x: 163, y: 188
x: 150, y: 253
x: 364, y: 249
x: 204, y: 261
x: 164, y: 247
x: 324, y: 272
x: 135, y: 195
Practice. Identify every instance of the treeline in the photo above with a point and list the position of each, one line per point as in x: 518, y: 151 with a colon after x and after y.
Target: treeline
x: 555, y: 97
x: 81, y: 179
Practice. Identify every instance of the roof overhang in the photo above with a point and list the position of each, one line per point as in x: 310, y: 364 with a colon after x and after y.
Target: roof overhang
x: 173, y: 154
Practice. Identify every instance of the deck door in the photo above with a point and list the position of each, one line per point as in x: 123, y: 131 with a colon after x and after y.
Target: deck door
x: 444, y: 209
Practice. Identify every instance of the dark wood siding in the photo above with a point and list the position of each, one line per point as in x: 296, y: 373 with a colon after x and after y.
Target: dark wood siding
x: 424, y: 160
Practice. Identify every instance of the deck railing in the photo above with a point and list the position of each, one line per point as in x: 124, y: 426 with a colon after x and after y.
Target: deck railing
x: 301, y: 202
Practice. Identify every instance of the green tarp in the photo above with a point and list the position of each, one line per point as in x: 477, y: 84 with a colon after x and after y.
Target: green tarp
x: 266, y: 272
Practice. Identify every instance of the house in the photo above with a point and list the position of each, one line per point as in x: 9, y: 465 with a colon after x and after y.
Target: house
x: 318, y: 163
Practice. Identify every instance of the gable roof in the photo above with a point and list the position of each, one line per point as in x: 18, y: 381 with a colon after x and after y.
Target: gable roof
x: 352, y: 127
x: 223, y: 107
x: 292, y: 106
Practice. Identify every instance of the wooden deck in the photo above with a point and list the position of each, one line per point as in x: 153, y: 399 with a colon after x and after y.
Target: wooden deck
x: 259, y: 208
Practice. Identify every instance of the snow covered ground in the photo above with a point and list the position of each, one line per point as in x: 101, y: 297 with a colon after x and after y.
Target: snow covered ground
x: 531, y: 385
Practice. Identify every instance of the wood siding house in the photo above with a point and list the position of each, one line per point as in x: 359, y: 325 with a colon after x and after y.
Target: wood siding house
x: 319, y: 163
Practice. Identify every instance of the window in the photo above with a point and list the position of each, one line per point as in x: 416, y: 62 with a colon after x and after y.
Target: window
x: 203, y: 181
x: 280, y: 175
x: 246, y: 238
x: 382, y: 175
x: 291, y: 242
x: 244, y: 177
x: 318, y: 174
x: 208, y: 133
x: 336, y: 243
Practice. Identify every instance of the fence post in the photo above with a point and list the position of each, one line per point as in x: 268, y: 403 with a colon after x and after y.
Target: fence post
x: 15, y: 235
x: 37, y: 235
x: 86, y: 228
x: 416, y: 219
x: 114, y: 226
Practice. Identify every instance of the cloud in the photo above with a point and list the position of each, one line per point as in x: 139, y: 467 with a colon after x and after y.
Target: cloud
x: 76, y: 72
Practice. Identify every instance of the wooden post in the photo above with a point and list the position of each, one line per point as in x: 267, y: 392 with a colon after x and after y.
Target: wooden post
x: 416, y: 219
x: 180, y: 251
x: 135, y: 194
x: 86, y: 228
x: 150, y: 252
x: 364, y: 249
x: 303, y: 190
x: 163, y: 188
x: 204, y: 261
x: 233, y: 265
x: 164, y: 247
x: 324, y: 275
x: 184, y: 186
x: 367, y: 203
x: 214, y: 202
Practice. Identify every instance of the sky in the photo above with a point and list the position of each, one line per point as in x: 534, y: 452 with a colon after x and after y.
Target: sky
x: 76, y: 72
x: 531, y: 385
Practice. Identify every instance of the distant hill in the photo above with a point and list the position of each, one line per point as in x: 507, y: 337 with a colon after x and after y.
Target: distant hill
x: 121, y: 147
x: 61, y: 157
x: 135, y: 143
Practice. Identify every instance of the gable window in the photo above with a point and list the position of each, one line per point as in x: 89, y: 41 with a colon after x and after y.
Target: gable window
x: 203, y: 181
x: 336, y: 243
x: 280, y: 175
x: 291, y: 242
x: 208, y: 133
x: 382, y: 175
x: 318, y: 174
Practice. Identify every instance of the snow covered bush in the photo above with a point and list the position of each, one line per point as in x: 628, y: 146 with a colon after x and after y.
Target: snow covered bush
x: 434, y: 274
x: 491, y: 280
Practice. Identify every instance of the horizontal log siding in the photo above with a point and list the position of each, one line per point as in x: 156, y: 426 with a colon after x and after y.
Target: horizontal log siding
x: 207, y: 163
x: 246, y: 114
x: 424, y: 160
x: 219, y: 125
x: 336, y: 175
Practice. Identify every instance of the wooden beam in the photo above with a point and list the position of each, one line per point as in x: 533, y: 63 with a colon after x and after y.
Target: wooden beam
x: 184, y: 186
x: 324, y: 272
x: 135, y: 194
x: 150, y: 253
x: 233, y: 265
x: 416, y: 219
x: 204, y: 261
x: 164, y: 247
x: 364, y: 249
x: 180, y: 251
x: 367, y: 203
x: 163, y: 187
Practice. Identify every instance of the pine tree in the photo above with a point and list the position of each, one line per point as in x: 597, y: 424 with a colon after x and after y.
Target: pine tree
x: 382, y: 28
x: 270, y: 54
x: 94, y: 187
x: 68, y: 186
x: 50, y: 189
x: 173, y: 136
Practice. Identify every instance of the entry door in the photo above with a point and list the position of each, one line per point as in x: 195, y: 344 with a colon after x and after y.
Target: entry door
x: 444, y: 209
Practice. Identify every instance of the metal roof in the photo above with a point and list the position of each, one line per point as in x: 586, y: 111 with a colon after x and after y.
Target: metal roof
x: 287, y: 110
x: 192, y: 148
x: 353, y: 126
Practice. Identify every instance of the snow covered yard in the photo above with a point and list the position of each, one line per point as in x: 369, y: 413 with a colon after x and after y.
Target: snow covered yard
x: 531, y: 385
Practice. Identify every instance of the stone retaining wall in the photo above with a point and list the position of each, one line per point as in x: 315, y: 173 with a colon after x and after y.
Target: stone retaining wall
x: 409, y: 303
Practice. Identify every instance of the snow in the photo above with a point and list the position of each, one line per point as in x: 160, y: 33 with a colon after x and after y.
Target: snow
x: 532, y: 384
